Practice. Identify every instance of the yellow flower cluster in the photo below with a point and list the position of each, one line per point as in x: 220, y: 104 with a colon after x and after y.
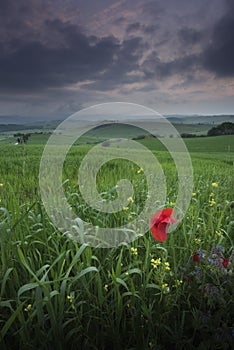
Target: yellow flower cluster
x: 139, y: 171
x: 70, y: 298
x: 214, y: 184
x: 197, y: 240
x: 219, y: 233
x: 28, y: 308
x: 178, y: 283
x: 211, y: 200
x: 167, y: 266
x: 134, y: 251
x: 165, y: 288
x: 130, y: 199
x: 106, y: 287
x: 155, y: 262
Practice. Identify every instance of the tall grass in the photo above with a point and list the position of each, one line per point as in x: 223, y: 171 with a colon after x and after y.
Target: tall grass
x: 57, y: 293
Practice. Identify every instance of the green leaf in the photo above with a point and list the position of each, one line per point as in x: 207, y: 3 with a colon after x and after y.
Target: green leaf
x: 153, y: 286
x: 5, y: 278
x: 9, y: 322
x: 24, y: 263
x: 120, y: 281
x: 6, y: 303
x: 26, y: 288
x: 84, y: 272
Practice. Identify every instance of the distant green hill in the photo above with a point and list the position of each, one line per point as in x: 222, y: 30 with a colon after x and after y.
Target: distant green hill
x: 40, y: 131
x: 200, y: 119
x: 226, y: 128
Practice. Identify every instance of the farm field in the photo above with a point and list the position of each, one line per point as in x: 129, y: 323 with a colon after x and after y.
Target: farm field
x: 40, y: 132
x: 177, y: 294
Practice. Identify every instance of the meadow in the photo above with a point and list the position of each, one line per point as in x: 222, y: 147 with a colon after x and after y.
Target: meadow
x: 59, y: 293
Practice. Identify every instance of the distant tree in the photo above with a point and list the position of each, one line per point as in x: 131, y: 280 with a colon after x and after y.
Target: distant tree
x: 139, y: 137
x: 187, y: 135
x: 226, y: 128
x: 22, y: 138
x: 106, y: 144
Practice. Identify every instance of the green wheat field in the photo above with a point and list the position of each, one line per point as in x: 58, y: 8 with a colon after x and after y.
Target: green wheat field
x: 56, y: 293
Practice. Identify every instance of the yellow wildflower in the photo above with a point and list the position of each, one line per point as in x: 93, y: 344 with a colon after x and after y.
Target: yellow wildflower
x: 155, y: 262
x: 197, y: 240
x: 165, y: 288
x: 28, y: 308
x: 214, y: 184
x: 212, y: 202
x: 70, y: 298
x: 106, y: 287
x: 134, y: 251
x: 167, y: 266
x: 178, y: 283
x: 1, y: 184
x: 130, y: 199
x: 194, y: 194
x: 125, y: 208
x: 139, y: 171
x: 219, y: 233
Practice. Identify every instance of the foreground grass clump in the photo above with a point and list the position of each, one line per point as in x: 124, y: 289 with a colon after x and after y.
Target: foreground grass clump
x: 146, y: 295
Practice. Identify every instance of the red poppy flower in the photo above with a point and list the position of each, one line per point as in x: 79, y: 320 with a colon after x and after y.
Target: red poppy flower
x: 225, y: 262
x: 196, y: 257
x: 159, y: 223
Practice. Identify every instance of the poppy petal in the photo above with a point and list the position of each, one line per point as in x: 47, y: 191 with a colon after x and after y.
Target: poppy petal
x: 159, y: 232
x: 167, y: 211
x: 170, y: 220
x: 155, y: 217
x: 225, y: 262
x: 160, y: 222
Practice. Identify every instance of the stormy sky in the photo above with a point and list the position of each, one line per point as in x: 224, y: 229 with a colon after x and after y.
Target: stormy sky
x: 58, y: 56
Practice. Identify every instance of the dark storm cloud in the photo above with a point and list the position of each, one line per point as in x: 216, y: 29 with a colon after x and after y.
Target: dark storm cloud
x: 153, y: 8
x: 120, y: 20
x: 4, y: 6
x: 215, y: 51
x: 150, y: 28
x: 189, y: 36
x: 126, y: 61
x: 57, y: 53
x: 144, y: 28
x: 21, y: 9
x: 153, y: 67
x: 133, y: 27
x: 33, y: 65
x: 218, y: 57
